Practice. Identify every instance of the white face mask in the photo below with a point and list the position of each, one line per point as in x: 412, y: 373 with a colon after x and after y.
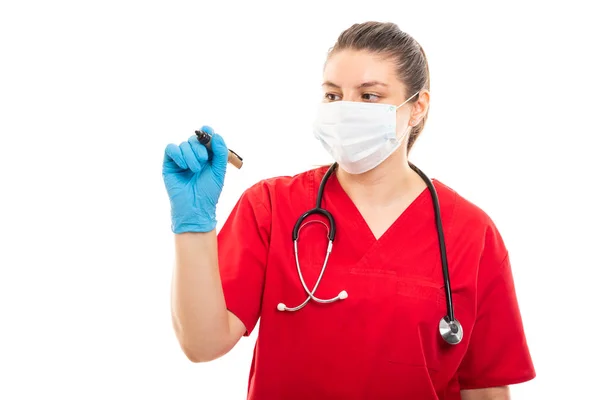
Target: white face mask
x: 359, y: 136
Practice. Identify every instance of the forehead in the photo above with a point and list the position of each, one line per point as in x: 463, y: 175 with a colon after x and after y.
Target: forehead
x: 351, y: 67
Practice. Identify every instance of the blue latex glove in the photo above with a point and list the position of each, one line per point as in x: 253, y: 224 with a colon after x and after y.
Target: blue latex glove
x: 194, y: 180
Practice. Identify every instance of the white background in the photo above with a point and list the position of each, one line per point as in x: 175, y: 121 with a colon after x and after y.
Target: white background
x: 91, y: 93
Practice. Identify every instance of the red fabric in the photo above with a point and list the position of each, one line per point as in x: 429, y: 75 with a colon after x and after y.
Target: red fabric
x: 382, y: 342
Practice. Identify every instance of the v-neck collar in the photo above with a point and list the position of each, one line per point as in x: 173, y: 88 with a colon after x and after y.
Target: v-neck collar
x: 361, y: 235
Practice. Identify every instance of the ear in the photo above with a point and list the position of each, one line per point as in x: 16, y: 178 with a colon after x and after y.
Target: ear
x: 419, y: 109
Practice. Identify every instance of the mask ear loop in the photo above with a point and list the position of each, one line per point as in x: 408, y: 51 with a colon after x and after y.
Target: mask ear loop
x: 401, y: 138
x: 404, y: 135
x: 407, y: 100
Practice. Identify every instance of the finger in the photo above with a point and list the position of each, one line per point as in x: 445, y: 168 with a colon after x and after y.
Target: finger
x: 190, y: 158
x: 208, y: 129
x: 220, y: 151
x: 199, y: 150
x: 173, y: 153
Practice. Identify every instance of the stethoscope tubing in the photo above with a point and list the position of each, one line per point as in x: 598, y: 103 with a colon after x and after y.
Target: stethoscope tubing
x: 450, y: 328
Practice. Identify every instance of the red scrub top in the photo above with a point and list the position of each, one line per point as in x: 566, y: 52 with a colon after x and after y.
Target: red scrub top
x: 382, y: 342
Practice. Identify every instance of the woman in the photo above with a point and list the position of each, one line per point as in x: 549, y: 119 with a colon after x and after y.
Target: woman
x: 381, y: 331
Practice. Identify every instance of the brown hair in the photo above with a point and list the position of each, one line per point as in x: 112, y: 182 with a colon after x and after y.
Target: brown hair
x: 386, y: 39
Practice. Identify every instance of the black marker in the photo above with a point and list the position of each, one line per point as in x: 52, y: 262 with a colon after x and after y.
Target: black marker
x: 233, y: 158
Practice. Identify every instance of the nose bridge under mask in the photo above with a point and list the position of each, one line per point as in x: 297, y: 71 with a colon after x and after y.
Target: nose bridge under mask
x: 355, y: 113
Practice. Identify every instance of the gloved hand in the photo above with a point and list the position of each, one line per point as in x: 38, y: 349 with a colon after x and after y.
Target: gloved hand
x: 194, y: 178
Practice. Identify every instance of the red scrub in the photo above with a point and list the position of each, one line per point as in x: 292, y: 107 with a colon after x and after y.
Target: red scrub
x: 382, y: 342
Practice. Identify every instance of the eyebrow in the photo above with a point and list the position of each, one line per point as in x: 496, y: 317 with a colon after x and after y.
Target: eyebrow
x: 361, y: 86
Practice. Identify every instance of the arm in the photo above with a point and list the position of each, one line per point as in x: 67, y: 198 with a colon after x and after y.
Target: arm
x: 194, y: 182
x: 497, y: 353
x: 204, y: 327
x: 496, y: 393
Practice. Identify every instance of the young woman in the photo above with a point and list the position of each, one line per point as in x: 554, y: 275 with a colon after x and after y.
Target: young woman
x: 400, y: 289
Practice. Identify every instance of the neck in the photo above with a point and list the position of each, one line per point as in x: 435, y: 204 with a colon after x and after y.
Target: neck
x: 390, y: 182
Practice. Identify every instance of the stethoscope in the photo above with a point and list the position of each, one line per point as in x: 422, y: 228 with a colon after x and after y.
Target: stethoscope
x: 449, y: 327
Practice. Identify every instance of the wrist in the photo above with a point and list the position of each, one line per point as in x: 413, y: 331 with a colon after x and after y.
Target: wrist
x: 202, y: 227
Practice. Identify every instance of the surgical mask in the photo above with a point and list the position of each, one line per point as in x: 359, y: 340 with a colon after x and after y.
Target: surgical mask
x: 359, y: 136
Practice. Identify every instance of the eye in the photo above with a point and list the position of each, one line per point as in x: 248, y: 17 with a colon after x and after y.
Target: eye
x: 370, y: 97
x: 332, y: 97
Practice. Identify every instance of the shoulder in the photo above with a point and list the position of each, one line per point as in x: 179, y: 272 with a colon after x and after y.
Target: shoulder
x: 469, y: 223
x: 270, y: 190
x: 463, y: 209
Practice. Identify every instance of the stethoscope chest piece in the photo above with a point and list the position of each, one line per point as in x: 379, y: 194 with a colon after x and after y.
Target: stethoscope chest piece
x: 451, y: 331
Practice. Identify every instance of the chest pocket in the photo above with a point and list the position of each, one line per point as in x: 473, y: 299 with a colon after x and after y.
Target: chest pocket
x: 418, y: 308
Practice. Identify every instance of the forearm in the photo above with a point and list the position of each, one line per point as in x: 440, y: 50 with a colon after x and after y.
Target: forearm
x: 200, y: 317
x: 495, y: 393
